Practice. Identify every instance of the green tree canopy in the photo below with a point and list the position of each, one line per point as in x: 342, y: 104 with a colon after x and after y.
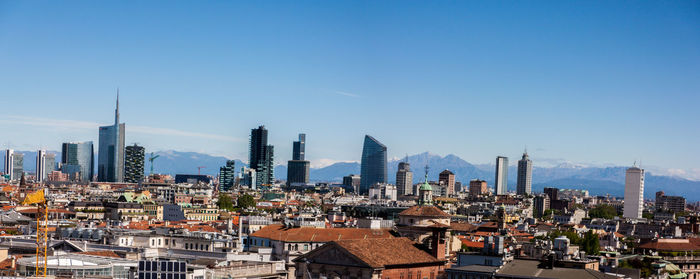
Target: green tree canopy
x: 246, y: 201
x: 225, y: 202
x: 603, y: 211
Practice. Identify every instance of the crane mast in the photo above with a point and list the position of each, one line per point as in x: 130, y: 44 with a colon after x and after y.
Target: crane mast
x: 42, y: 229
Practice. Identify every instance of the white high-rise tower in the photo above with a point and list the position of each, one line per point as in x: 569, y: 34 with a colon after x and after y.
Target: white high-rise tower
x: 634, y: 193
x: 40, y: 165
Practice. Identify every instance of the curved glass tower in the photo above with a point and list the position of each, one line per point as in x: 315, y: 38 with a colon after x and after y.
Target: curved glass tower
x: 373, y: 167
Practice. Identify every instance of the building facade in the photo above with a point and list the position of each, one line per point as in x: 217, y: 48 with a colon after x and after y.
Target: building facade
x: 373, y: 166
x: 477, y: 188
x: 261, y: 157
x: 669, y: 203
x: 14, y: 164
x: 133, y: 163
x: 110, y: 162
x: 447, y: 178
x: 299, y: 148
x: 501, y: 186
x: 78, y: 158
x: 404, y: 179
x: 524, y: 186
x: 352, y: 181
x: 634, y: 193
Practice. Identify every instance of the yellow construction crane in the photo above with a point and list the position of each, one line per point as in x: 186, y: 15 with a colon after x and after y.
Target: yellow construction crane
x: 42, y: 229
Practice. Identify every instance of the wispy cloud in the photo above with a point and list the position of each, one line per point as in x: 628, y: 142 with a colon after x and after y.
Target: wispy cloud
x: 85, y: 125
x: 324, y: 162
x: 347, y: 94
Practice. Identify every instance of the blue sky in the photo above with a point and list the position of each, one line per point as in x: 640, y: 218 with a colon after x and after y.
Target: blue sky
x: 597, y: 82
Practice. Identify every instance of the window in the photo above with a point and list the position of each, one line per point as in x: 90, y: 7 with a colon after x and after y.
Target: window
x: 166, y: 241
x: 306, y: 247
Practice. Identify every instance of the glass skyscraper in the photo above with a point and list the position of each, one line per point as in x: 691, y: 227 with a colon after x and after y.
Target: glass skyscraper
x: 110, y: 164
x: 78, y: 157
x: 373, y: 167
x: 227, y: 176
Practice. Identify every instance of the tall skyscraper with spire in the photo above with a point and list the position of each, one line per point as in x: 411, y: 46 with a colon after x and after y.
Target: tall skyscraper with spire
x: 373, y: 165
x: 524, y: 186
x: 110, y: 162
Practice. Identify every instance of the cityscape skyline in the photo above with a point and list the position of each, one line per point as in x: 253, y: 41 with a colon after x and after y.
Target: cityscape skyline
x: 633, y: 93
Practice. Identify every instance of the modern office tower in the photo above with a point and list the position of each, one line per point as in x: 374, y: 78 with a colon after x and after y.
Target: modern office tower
x: 669, y: 203
x: 447, y: 178
x: 110, y: 162
x: 297, y: 172
x: 404, y: 179
x: 501, y: 183
x: 552, y: 193
x: 524, y: 175
x: 634, y: 193
x: 541, y: 204
x: 477, y: 188
x: 382, y: 191
x: 352, y: 181
x: 49, y: 164
x: 227, y: 176
x: 299, y: 148
x: 134, y: 158
x: 261, y: 157
x: 373, y: 166
x: 78, y: 158
x: 14, y: 164
x: 298, y: 167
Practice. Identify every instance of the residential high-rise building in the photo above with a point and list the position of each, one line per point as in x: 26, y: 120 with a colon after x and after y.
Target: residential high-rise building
x: 552, y: 193
x: 298, y: 168
x: 501, y: 183
x: 477, y: 188
x: 110, y: 162
x: 248, y: 178
x: 227, y: 176
x: 78, y: 158
x: 404, y: 179
x: 447, y: 178
x: 669, y: 203
x: 261, y: 157
x: 524, y: 186
x: 14, y: 164
x: 40, y: 166
x: 634, y: 193
x: 299, y: 148
x: 134, y: 158
x: 373, y: 166
x: 352, y: 181
x: 541, y: 204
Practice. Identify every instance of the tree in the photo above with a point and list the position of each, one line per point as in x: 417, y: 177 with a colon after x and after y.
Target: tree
x: 225, y: 202
x: 246, y: 201
x: 590, y: 243
x: 604, y: 211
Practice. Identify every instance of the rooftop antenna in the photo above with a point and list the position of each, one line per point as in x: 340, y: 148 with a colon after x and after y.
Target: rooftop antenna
x: 116, y: 111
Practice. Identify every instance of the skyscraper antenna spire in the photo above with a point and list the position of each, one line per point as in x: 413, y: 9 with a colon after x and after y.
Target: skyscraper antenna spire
x: 116, y: 111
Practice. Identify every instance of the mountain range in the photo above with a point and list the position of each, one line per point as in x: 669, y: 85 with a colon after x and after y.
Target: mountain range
x: 597, y: 180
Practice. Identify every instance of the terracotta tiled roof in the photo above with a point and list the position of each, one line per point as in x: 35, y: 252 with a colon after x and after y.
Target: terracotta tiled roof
x: 424, y: 210
x: 51, y: 210
x: 379, y: 253
x: 472, y: 244
x: 279, y: 232
x: 462, y: 227
x: 110, y: 254
x: 672, y: 245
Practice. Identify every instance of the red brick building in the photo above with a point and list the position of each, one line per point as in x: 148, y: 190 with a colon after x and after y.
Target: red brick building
x: 369, y: 258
